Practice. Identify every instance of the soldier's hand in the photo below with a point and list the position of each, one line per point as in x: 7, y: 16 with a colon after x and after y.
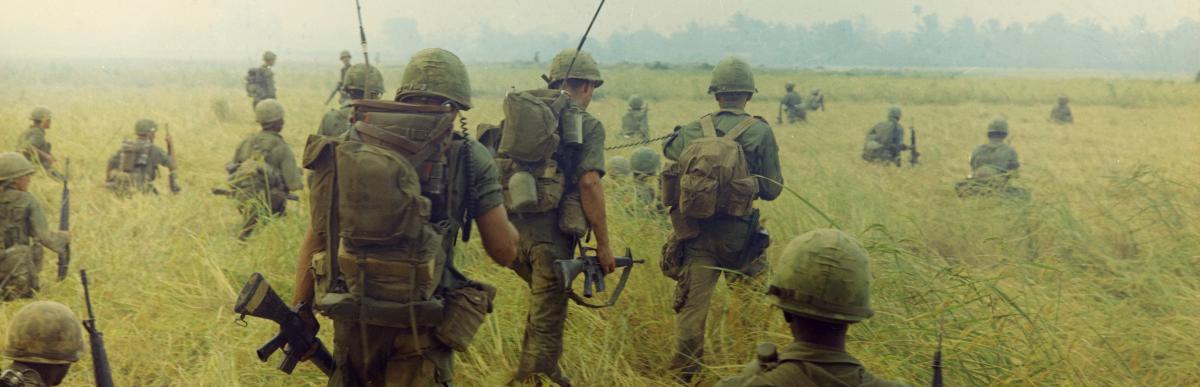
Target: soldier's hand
x: 604, y: 256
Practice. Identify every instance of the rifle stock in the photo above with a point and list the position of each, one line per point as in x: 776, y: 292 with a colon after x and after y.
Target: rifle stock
x: 295, y: 338
x: 100, y: 367
x: 64, y: 222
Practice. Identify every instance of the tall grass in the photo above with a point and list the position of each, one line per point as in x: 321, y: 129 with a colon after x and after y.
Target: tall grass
x: 1092, y: 282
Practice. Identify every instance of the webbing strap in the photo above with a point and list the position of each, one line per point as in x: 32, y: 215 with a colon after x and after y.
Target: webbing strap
x: 740, y: 128
x: 706, y: 127
x: 612, y: 300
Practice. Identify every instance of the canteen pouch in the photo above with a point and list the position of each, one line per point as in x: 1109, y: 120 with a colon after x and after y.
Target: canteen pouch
x: 548, y: 177
x: 465, y: 310
x: 571, y: 220
x: 522, y: 188
x: 672, y: 258
x: 669, y: 183
x: 740, y: 196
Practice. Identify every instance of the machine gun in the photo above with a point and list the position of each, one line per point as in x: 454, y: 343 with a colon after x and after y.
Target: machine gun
x: 102, y: 372
x: 64, y: 222
x: 296, y: 338
x: 593, y: 275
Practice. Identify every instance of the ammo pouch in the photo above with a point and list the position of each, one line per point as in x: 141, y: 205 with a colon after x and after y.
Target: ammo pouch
x: 345, y: 307
x: 672, y: 259
x: 669, y: 183
x: 395, y: 293
x: 549, y: 179
x: 466, y: 308
x: 571, y: 220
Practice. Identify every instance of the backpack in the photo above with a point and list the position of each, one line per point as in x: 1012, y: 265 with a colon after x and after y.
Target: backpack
x: 253, y: 80
x: 711, y: 176
x: 536, y: 124
x: 254, y: 175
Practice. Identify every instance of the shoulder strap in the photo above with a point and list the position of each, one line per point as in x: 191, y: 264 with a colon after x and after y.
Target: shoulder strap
x: 707, y: 129
x: 740, y: 128
x: 333, y: 240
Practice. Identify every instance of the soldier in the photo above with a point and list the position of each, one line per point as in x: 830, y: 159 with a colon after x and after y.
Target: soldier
x: 399, y: 354
x: 360, y: 82
x: 345, y: 58
x: 543, y: 242
x: 263, y: 171
x: 23, y: 222
x: 619, y: 167
x: 645, y: 163
x: 793, y: 105
x: 885, y: 141
x: 817, y: 101
x: 44, y: 339
x: 260, y: 81
x: 714, y: 234
x: 992, y: 165
x: 1061, y: 113
x: 33, y: 142
x: 822, y: 285
x: 135, y: 165
x: 636, y: 122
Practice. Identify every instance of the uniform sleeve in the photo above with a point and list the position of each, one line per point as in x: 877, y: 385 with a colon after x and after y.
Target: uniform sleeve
x: 40, y: 229
x: 1013, y: 162
x: 592, y: 157
x: 768, y: 167
x: 163, y: 159
x: 673, y: 146
x: 115, y: 161
x: 291, y: 172
x: 486, y: 185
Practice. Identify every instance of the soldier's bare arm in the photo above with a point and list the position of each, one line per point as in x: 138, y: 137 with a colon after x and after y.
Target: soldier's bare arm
x: 304, y: 279
x: 499, y: 236
x: 591, y: 194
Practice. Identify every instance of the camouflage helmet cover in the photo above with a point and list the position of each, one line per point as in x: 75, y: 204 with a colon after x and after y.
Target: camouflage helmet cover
x: 619, y: 166
x: 14, y: 165
x: 40, y: 113
x: 144, y: 126
x: 789, y: 85
x: 732, y: 75
x: 645, y: 161
x: 268, y: 56
x: 585, y: 68
x: 895, y: 112
x: 344, y: 54
x: 635, y: 101
x: 363, y: 77
x: 45, y: 332
x: 999, y: 126
x: 823, y: 274
x: 436, y: 72
x: 268, y: 111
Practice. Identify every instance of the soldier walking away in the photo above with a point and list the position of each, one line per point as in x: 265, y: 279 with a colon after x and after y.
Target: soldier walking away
x: 398, y: 238
x: 44, y: 340
x: 793, y: 105
x: 816, y: 101
x: 33, y: 142
x: 822, y: 284
x: 260, y: 81
x: 263, y: 173
x: 345, y: 58
x: 361, y: 81
x: 24, y: 224
x: 1061, y: 113
x: 135, y: 166
x: 885, y: 141
x: 646, y: 163
x: 709, y: 188
x: 993, y: 165
x: 636, y: 121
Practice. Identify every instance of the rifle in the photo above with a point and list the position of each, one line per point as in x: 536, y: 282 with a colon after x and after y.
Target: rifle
x: 171, y: 152
x: 913, y: 154
x: 64, y: 222
x: 593, y: 276
x: 295, y: 337
x: 336, y: 89
x: 103, y: 373
x: 779, y: 115
x: 937, y: 358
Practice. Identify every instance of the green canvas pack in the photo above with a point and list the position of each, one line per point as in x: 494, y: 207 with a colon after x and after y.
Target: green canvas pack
x: 711, y: 176
x: 253, y: 80
x: 530, y: 131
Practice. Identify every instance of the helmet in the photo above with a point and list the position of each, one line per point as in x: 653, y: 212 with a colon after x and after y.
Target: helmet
x: 789, y: 86
x: 816, y: 91
x: 1063, y: 100
x: 635, y: 101
x: 45, y: 332
x: 268, y: 56
x: 999, y: 125
x: 732, y: 75
x: 645, y: 161
x: 585, y: 67
x: 144, y: 127
x: 619, y: 166
x: 437, y: 72
x: 268, y: 111
x: 360, y: 75
x: 13, y: 165
x: 344, y: 54
x: 40, y: 113
x: 823, y: 274
x: 895, y: 112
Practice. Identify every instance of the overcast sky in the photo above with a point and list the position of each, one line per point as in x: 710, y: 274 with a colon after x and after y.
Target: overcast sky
x: 241, y: 29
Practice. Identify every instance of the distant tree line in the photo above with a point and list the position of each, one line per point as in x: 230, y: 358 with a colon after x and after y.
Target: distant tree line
x: 1053, y: 43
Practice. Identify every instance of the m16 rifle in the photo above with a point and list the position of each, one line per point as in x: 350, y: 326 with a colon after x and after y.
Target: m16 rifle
x: 913, y: 154
x: 102, y: 372
x: 64, y: 222
x: 297, y: 337
x: 593, y: 275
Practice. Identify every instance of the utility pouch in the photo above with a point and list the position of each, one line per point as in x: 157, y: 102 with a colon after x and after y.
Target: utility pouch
x: 672, y: 259
x: 571, y: 220
x: 346, y: 307
x: 549, y: 179
x: 466, y: 308
x: 669, y: 182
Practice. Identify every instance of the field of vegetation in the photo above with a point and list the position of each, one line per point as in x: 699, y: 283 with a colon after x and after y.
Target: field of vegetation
x: 1095, y: 281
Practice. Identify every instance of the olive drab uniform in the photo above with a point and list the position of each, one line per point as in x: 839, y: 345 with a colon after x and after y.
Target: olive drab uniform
x: 260, y: 81
x: 636, y: 121
x: 358, y: 79
x: 264, y: 172
x: 24, y: 223
x: 885, y: 141
x: 816, y: 101
x: 645, y: 163
x: 722, y: 241
x: 135, y: 166
x: 802, y: 364
x: 993, y: 166
x: 793, y: 107
x: 32, y: 141
x: 1062, y: 112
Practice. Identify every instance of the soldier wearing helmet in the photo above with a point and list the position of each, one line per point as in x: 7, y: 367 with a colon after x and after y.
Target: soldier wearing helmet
x: 33, y: 142
x: 793, y: 104
x: 993, y: 165
x: 44, y: 339
x: 636, y: 121
x: 135, y: 166
x: 543, y: 241
x: 885, y: 141
x: 822, y: 284
x: 360, y: 81
x: 25, y: 225
x: 344, y: 56
x: 816, y: 101
x: 403, y: 355
x: 646, y: 163
x: 699, y: 248
x: 260, y: 81
x: 1061, y: 113
x: 263, y: 171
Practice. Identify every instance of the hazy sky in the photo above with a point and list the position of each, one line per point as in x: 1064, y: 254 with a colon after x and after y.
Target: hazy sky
x: 241, y: 29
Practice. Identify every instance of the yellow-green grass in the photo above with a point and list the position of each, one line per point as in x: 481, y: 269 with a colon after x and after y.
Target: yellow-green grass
x: 1093, y: 282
